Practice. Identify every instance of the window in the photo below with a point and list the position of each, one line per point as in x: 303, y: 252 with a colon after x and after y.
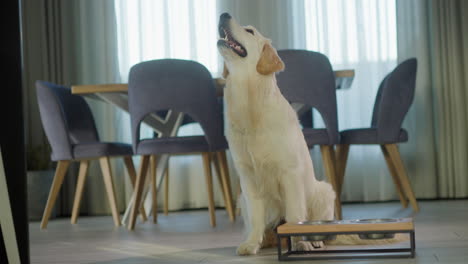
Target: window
x: 156, y: 29
x: 359, y: 35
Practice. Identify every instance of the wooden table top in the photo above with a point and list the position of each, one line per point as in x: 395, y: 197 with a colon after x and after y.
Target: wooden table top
x: 123, y: 87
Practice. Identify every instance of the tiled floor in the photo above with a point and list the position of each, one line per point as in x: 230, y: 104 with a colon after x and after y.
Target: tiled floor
x: 186, y: 237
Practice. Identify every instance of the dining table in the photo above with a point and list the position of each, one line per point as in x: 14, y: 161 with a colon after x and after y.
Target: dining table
x: 168, y: 125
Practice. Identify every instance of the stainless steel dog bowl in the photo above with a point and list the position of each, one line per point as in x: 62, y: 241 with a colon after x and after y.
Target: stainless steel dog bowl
x: 376, y: 235
x: 320, y: 222
x: 319, y: 237
x: 376, y: 221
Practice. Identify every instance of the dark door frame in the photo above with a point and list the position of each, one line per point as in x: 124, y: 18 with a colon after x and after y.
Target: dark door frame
x: 12, y: 128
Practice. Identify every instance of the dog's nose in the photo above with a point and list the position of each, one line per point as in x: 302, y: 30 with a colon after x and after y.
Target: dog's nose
x: 224, y: 16
x: 223, y: 23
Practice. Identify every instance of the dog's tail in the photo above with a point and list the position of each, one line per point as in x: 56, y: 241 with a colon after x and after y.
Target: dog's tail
x: 356, y: 240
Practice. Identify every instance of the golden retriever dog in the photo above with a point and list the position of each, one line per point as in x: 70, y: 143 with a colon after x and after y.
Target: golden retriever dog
x: 266, y: 140
x: 268, y: 147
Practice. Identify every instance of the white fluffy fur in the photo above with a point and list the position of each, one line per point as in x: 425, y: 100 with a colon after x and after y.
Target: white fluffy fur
x: 268, y: 147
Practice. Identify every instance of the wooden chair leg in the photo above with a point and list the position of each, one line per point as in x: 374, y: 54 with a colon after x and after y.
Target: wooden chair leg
x: 216, y: 163
x: 226, y: 182
x: 166, y: 189
x: 217, y: 166
x: 109, y: 183
x: 6, y: 220
x: 224, y: 164
x: 328, y: 156
x: 154, y: 188
x: 138, y: 191
x: 79, y: 190
x: 401, y: 172
x: 238, y: 194
x: 342, y: 151
x: 132, y: 175
x: 394, y: 174
x: 60, y: 172
x: 209, y: 187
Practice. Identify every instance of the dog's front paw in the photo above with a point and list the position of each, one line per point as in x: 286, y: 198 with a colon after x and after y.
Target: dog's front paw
x: 247, y: 248
x: 309, y: 246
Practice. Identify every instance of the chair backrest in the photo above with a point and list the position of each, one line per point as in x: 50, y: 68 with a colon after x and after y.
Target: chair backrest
x: 180, y: 85
x: 66, y: 118
x: 393, y: 100
x: 309, y: 79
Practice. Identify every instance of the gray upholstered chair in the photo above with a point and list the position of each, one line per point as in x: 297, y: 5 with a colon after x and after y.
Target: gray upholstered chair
x: 309, y: 79
x: 394, y: 98
x: 182, y: 86
x: 71, y: 131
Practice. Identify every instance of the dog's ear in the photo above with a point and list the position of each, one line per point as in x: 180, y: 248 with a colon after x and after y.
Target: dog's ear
x: 225, y: 71
x: 269, y: 61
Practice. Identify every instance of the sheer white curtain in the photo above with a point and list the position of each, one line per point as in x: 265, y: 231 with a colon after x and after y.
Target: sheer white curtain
x: 414, y: 40
x: 359, y: 35
x: 354, y: 34
x: 181, y: 29
x: 155, y: 29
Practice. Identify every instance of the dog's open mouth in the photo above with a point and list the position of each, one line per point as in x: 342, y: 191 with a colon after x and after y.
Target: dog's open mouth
x: 228, y: 40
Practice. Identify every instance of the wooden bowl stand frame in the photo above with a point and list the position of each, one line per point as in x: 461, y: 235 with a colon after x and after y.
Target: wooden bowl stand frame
x: 405, y: 225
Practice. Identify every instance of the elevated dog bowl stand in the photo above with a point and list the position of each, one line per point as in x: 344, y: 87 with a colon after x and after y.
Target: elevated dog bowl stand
x: 348, y: 227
